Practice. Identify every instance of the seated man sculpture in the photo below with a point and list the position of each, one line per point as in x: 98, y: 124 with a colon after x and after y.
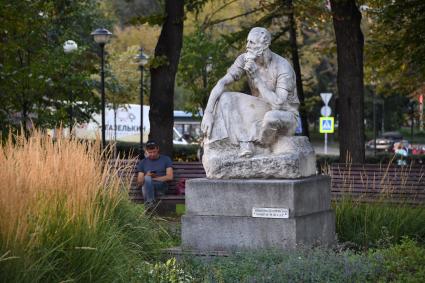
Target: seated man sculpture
x: 252, y: 123
x: 257, y: 118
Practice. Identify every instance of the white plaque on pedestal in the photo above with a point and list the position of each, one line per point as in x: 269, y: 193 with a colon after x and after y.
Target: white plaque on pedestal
x: 266, y: 212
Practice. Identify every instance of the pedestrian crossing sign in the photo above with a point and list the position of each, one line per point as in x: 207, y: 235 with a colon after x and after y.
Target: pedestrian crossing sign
x: 326, y: 125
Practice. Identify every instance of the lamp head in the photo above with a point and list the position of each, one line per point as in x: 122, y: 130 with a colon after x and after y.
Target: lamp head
x: 101, y: 36
x: 70, y: 46
x: 142, y: 58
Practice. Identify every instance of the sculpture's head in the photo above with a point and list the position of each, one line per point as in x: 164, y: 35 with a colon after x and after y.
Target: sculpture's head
x: 258, y: 41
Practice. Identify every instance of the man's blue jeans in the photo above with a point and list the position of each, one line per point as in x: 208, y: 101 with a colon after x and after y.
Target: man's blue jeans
x: 153, y: 188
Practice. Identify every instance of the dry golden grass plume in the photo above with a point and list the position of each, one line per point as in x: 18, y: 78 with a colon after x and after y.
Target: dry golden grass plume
x: 42, y: 178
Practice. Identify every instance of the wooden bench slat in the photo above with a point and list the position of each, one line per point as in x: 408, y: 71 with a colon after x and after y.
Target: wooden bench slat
x: 351, y: 189
x: 376, y: 170
x: 376, y: 173
x: 378, y: 185
x: 378, y: 181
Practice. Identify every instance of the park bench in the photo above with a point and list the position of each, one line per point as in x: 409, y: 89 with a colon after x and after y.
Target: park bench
x: 363, y: 182
x: 182, y: 171
x: 374, y: 182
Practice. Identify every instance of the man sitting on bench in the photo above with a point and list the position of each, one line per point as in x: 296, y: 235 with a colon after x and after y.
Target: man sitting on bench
x: 153, y: 173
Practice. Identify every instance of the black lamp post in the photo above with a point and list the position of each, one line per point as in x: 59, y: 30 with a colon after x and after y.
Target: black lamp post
x: 70, y: 46
x: 101, y: 36
x: 142, y: 59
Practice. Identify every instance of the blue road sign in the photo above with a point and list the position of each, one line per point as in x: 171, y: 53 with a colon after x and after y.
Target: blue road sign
x: 327, y: 125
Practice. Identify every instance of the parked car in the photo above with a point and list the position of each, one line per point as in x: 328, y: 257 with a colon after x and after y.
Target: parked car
x: 386, y: 141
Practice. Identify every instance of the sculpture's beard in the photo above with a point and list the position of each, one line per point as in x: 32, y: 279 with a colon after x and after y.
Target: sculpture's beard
x: 254, y: 53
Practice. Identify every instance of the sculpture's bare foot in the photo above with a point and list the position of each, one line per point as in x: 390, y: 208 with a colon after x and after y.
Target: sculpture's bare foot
x: 245, y: 153
x: 246, y: 149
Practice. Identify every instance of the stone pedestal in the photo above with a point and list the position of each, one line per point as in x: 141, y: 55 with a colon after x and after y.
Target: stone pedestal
x: 219, y: 214
x: 288, y: 158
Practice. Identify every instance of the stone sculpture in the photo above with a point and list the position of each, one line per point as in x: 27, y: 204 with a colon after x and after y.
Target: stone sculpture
x: 252, y: 136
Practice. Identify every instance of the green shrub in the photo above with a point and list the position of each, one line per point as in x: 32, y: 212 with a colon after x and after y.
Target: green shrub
x: 159, y: 272
x: 185, y: 152
x: 127, y: 149
x: 396, y: 263
x: 110, y: 252
x: 367, y: 224
x: 402, y: 263
x: 303, y: 265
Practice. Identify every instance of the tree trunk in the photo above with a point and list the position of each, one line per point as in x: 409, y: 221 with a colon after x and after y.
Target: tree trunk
x: 297, y: 67
x: 349, y: 41
x: 163, y: 77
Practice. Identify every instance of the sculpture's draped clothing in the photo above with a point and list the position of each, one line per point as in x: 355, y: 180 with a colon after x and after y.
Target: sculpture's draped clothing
x: 241, y: 117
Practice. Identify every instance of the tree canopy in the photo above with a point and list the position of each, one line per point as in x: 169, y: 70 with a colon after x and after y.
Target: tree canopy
x: 397, y: 31
x: 38, y: 81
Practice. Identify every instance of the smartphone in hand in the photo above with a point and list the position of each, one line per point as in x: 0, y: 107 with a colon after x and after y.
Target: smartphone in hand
x: 152, y: 173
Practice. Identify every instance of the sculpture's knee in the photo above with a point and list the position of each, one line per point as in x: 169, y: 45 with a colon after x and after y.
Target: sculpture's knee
x: 288, y: 124
x: 269, y: 128
x: 270, y: 121
x: 278, y: 123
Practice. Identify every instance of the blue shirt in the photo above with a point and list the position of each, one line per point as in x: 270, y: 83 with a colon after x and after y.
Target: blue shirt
x: 159, y: 165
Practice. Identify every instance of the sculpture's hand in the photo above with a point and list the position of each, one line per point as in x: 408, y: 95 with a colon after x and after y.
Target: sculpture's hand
x: 250, y: 67
x: 207, y: 123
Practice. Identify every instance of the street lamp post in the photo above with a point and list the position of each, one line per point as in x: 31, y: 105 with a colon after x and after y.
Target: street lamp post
x: 101, y: 36
x: 70, y: 46
x: 142, y: 60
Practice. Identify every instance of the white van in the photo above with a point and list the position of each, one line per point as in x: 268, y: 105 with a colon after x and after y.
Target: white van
x: 122, y: 125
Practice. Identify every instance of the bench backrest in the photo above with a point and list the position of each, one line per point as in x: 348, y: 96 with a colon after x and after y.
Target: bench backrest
x: 372, y: 181
x: 367, y: 182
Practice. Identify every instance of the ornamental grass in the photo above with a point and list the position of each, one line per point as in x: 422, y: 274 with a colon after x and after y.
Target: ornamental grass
x: 64, y: 213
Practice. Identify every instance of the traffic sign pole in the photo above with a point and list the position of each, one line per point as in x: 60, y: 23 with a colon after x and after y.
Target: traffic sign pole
x: 326, y: 143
